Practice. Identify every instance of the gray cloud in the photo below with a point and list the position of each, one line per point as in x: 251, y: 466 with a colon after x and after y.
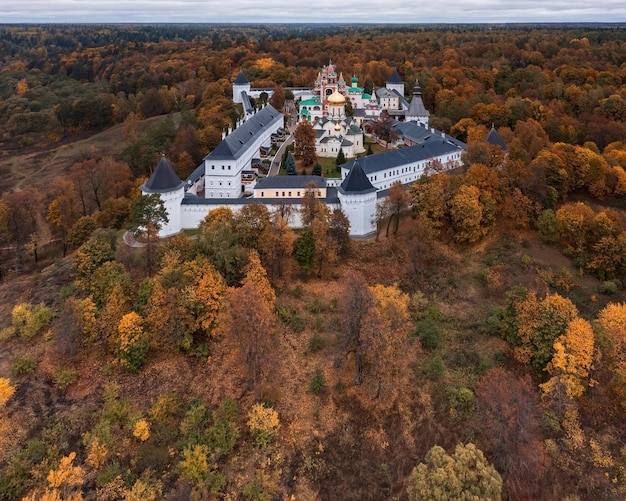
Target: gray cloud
x: 374, y: 11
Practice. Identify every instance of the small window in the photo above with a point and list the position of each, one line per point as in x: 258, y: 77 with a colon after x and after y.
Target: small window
x: 277, y: 194
x: 283, y: 193
x: 262, y: 193
x: 229, y: 167
x: 290, y: 194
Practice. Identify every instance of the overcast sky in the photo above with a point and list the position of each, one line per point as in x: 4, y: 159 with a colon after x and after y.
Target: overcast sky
x: 344, y: 11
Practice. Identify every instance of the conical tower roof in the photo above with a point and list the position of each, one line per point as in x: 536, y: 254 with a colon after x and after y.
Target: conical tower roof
x: 395, y: 78
x: 241, y: 79
x: 163, y: 179
x: 356, y: 181
x: 494, y: 138
x: 417, y: 108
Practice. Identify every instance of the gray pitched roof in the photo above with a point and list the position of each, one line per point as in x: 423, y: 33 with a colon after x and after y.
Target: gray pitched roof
x: 163, y: 179
x: 356, y: 181
x: 241, y: 79
x: 419, y: 133
x: 494, y: 138
x: 239, y: 140
x: 404, y: 104
x: 394, y: 78
x: 389, y: 159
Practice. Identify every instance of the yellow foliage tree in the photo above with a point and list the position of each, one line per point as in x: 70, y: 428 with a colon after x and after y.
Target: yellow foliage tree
x: 141, y: 430
x: 571, y: 363
x: 97, y: 455
x: 264, y: 424
x: 6, y: 390
x: 256, y: 275
x: 132, y: 343
x: 64, y: 483
x: 612, y: 325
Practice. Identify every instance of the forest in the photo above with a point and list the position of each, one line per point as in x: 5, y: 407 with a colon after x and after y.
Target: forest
x: 475, y: 348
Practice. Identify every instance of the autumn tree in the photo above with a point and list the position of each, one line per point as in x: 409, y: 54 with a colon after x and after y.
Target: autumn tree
x: 304, y: 143
x: 397, y: 201
x: 509, y: 424
x: 467, y: 215
x: 278, y: 98
x: 218, y: 241
x: 384, y: 337
x: 147, y: 217
x: 464, y: 475
x: 202, y: 296
x: 611, y: 323
x: 63, y: 211
x: 356, y: 303
x: 570, y: 364
x: 250, y: 324
x: 538, y: 323
x: 132, y: 344
x: 20, y: 220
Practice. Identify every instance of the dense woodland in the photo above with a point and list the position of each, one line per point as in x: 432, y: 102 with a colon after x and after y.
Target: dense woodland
x: 475, y: 347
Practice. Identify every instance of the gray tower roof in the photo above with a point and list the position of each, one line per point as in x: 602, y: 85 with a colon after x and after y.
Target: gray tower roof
x: 163, y: 179
x: 394, y: 78
x: 356, y: 181
x: 241, y: 79
x: 417, y: 108
x: 494, y: 138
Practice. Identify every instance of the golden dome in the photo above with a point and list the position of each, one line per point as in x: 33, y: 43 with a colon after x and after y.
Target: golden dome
x: 336, y: 98
x: 337, y: 127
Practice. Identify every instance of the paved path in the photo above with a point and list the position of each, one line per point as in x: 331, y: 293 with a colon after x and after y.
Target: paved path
x: 129, y: 239
x: 275, y: 167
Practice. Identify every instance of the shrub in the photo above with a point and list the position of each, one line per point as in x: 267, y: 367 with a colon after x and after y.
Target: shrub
x: 316, y: 343
x: 28, y: 319
x: 318, y: 383
x: 65, y: 378
x: 23, y: 365
x: 436, y: 369
x: 607, y: 287
x: 429, y: 333
x: 264, y: 424
x: 460, y: 402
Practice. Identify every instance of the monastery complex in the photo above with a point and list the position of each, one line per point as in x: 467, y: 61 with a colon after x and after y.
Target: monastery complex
x: 230, y: 175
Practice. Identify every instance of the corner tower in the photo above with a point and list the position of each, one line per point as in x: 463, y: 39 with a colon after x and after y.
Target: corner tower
x: 166, y: 183
x: 357, y: 196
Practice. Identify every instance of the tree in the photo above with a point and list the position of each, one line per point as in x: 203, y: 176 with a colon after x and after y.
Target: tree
x: 611, y: 323
x: 203, y: 296
x: 255, y: 273
x: 132, y: 343
x: 538, y: 324
x: 465, y: 475
x: 304, y: 250
x: 304, y: 143
x: 311, y: 208
x: 509, y: 423
x: 278, y: 98
x: 398, y: 202
x: 64, y: 211
x: 290, y: 164
x: 148, y: 215
x: 384, y: 336
x: 570, y: 364
x: 339, y: 231
x: 250, y: 324
x: 317, y: 170
x: 357, y: 299
x: 20, y: 214
x: 340, y: 160
x: 466, y: 212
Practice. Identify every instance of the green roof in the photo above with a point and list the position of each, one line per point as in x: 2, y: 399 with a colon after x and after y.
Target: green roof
x: 367, y: 96
x: 310, y: 102
x: 355, y: 89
